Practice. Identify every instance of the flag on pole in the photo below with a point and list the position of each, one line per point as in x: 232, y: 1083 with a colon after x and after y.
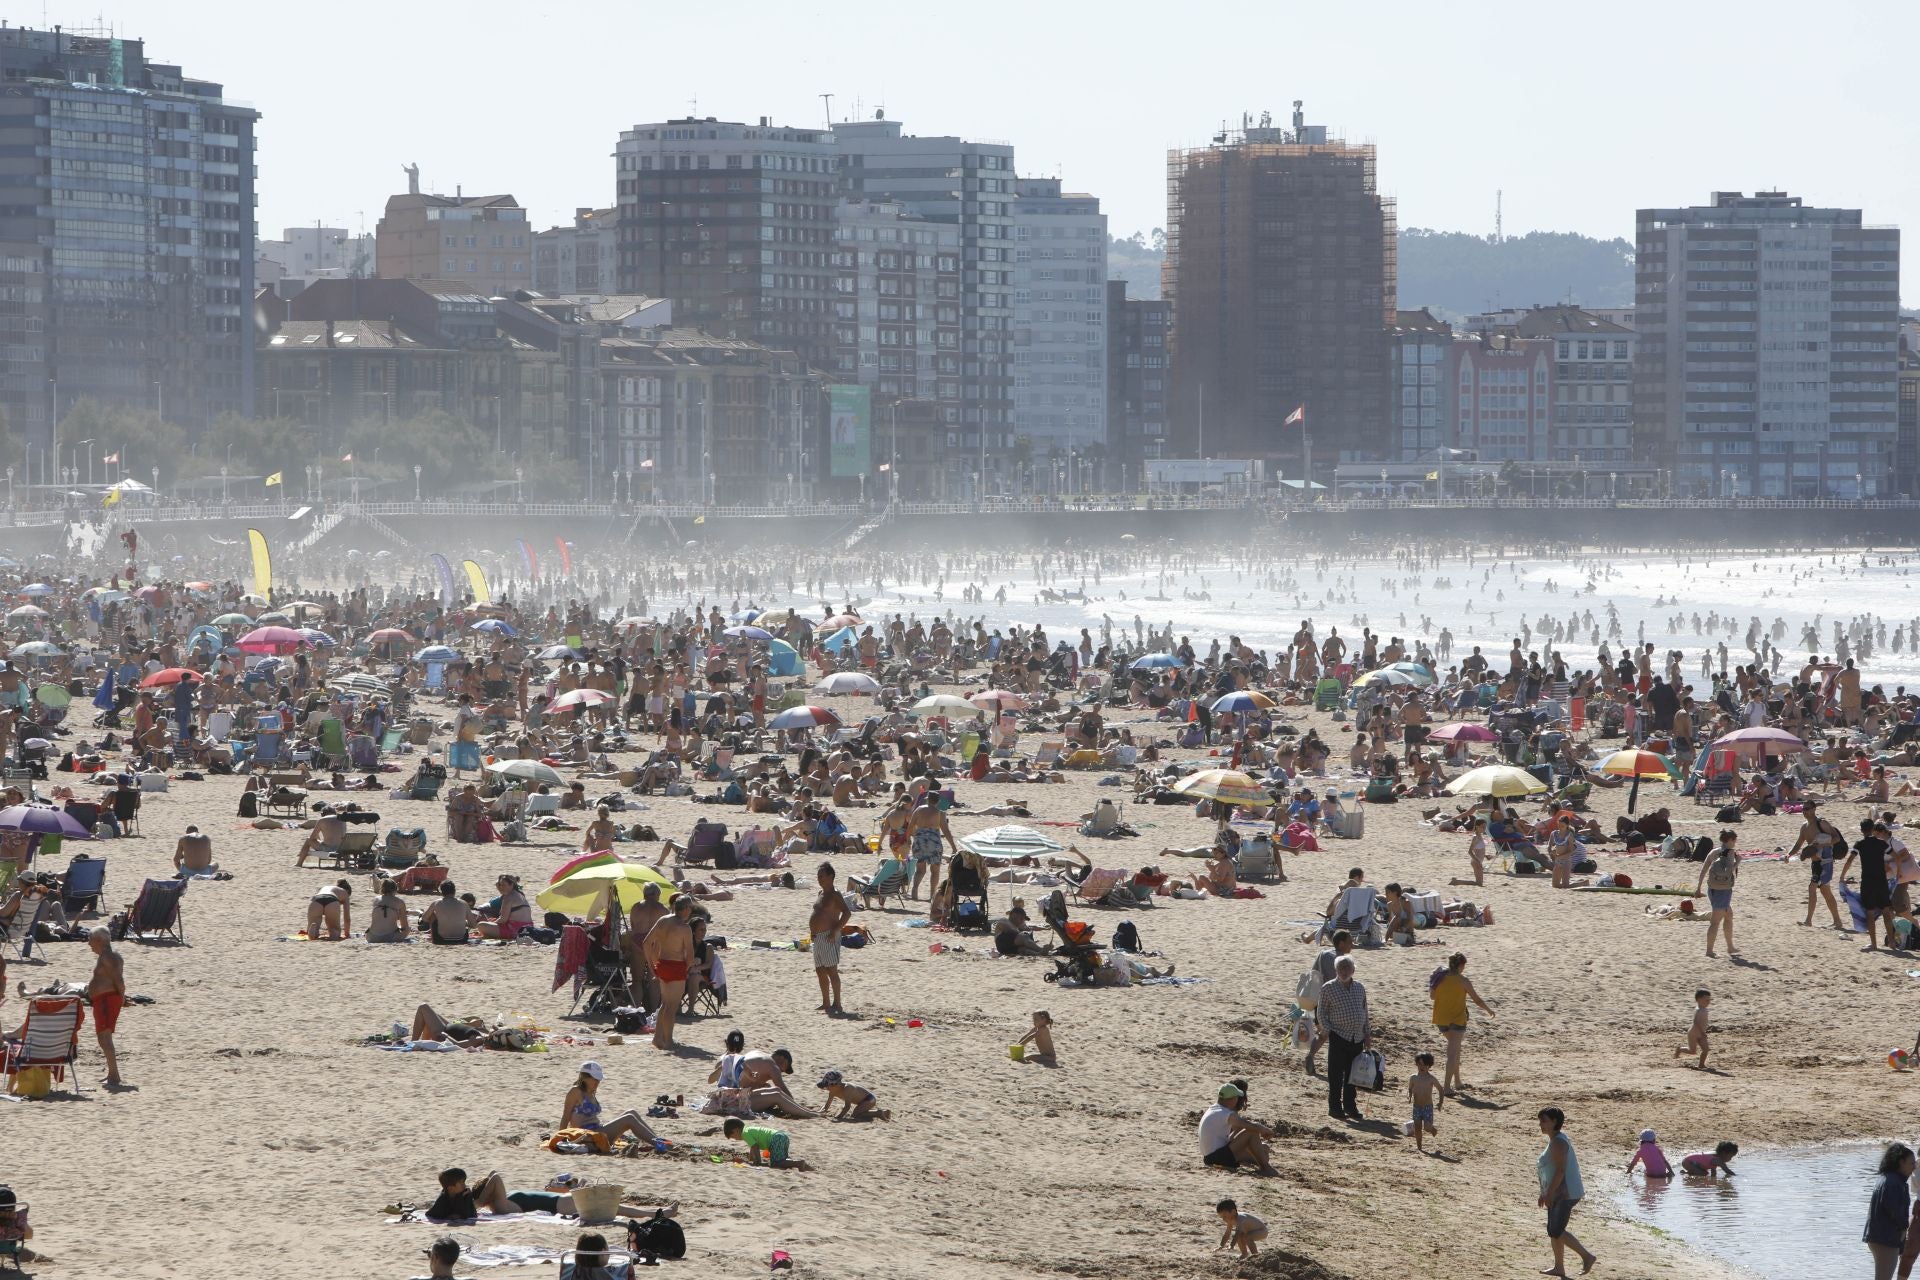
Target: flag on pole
x: 111, y: 457
x: 271, y: 480
x: 347, y: 456
x: 1298, y: 415
x: 113, y: 496
x: 1433, y: 475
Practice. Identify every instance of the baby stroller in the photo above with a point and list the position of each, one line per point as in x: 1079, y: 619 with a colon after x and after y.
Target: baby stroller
x: 1076, y: 958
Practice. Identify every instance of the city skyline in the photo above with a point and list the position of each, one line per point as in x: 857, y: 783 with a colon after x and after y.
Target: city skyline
x: 1458, y: 112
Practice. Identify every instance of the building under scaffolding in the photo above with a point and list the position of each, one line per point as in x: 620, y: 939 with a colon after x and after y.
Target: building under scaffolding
x: 1280, y: 270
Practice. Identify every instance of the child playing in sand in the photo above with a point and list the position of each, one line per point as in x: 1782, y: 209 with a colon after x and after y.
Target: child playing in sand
x: 763, y: 1143
x: 1243, y: 1232
x: 853, y: 1100
x: 1697, y: 1033
x: 1041, y: 1036
x: 1703, y: 1164
x: 1650, y: 1157
x: 1423, y: 1090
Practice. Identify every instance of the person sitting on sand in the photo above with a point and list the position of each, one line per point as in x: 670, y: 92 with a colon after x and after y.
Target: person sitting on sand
x: 1228, y: 1139
x: 764, y: 1078
x: 855, y: 1102
x: 601, y: 832
x: 193, y: 855
x: 331, y: 906
x: 389, y: 920
x: 447, y: 921
x: 510, y: 912
x: 1222, y: 877
x: 764, y: 1144
x: 1009, y: 939
x: 582, y: 1110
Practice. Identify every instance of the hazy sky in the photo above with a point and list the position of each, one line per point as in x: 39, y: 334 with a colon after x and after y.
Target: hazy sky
x: 1580, y: 114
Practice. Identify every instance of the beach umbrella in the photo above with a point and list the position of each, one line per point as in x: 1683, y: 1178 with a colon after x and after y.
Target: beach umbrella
x: 315, y: 636
x: 1463, y: 731
x: 1157, y: 660
x: 1227, y: 786
x: 840, y: 639
x: 803, y: 717
x: 171, y: 676
x: 1387, y: 677
x: 527, y: 771
x: 233, y: 620
x: 200, y: 587
x: 275, y: 618
x: 1009, y: 841
x: 585, y: 892
x: 304, y: 606
x: 494, y: 625
x: 1764, y: 740
x: 1418, y: 671
x: 1501, y: 780
x: 147, y: 592
x: 51, y: 695
x: 749, y: 633
x: 1636, y: 765
x: 359, y: 682
x: 390, y: 635
x: 998, y: 700
x: 36, y: 589
x: 839, y: 620
x: 436, y: 653
x: 1242, y: 700
x: 271, y: 640
x: 941, y: 704
x: 42, y: 820
x: 632, y: 622
x: 38, y: 649
x: 26, y: 613
x: 556, y: 652
x: 582, y: 698
x: 106, y: 595
x: 848, y: 682
x: 581, y: 861
x: 253, y: 597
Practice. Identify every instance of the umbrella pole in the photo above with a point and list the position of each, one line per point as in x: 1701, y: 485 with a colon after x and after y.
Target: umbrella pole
x: 1633, y: 793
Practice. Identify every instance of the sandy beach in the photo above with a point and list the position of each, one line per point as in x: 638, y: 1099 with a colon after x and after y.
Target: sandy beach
x: 260, y: 1135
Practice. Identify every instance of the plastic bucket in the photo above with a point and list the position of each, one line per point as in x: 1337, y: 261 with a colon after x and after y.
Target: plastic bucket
x: 1018, y: 1052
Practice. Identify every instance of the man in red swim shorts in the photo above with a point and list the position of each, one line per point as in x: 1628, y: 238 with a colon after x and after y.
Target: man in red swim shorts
x: 107, y: 994
x: 668, y: 950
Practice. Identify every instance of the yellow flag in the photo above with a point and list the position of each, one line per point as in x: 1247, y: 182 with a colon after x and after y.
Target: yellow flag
x: 1433, y: 475
x: 273, y: 479
x: 112, y: 497
x: 262, y: 564
x: 699, y: 519
x: 478, y: 580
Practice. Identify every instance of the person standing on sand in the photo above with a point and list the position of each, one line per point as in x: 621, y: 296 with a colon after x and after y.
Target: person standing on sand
x: 823, y: 926
x: 1560, y: 1190
x: 929, y: 827
x: 667, y: 952
x: 1342, y: 1017
x: 645, y: 914
x: 1717, y: 876
x: 1820, y: 841
x: 107, y: 995
x: 1450, y: 994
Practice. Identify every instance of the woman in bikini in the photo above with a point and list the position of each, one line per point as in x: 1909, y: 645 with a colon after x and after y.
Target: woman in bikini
x: 515, y: 912
x: 583, y: 1110
x: 389, y: 923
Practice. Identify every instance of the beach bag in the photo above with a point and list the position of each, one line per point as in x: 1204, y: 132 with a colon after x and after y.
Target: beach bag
x: 1585, y: 866
x: 249, y: 804
x: 1366, y: 1072
x: 852, y: 935
x: 1306, y: 992
x: 1126, y: 937
x: 970, y: 915
x: 657, y: 1237
x: 1729, y: 814
x: 1703, y: 848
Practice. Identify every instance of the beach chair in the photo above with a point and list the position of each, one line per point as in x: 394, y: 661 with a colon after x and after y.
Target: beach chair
x: 886, y: 882
x: 157, y: 911
x: 19, y: 777
x: 126, y: 809
x: 1354, y: 912
x: 1099, y: 883
x: 542, y: 806
x: 704, y: 842
x: 1048, y: 756
x: 13, y: 1238
x: 1255, y: 861
x: 390, y: 740
x: 49, y: 1038
x: 16, y: 937
x: 82, y: 885
x: 427, y: 782
x: 618, y: 1266
x: 354, y: 852
x: 84, y: 812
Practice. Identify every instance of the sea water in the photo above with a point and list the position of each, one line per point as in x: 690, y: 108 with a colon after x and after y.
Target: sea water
x: 1789, y: 1214
x: 1483, y: 604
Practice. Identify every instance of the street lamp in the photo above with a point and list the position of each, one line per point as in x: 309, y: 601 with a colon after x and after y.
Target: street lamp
x: 9, y: 488
x: 1859, y: 485
x: 156, y: 478
x: 416, y: 483
x: 223, y: 486
x: 518, y: 473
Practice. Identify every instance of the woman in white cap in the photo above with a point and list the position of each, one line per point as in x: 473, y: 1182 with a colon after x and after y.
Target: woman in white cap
x: 583, y: 1111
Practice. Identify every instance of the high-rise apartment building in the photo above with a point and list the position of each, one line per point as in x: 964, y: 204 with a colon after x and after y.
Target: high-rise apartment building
x: 478, y: 243
x: 1137, y: 380
x: 1417, y: 358
x: 126, y: 235
x: 581, y: 259
x: 734, y: 224
x: 896, y: 308
x: 969, y: 185
x: 1768, y: 345
x: 1280, y: 268
x: 1059, y: 319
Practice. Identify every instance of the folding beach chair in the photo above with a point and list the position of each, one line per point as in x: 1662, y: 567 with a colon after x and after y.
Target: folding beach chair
x: 84, y: 882
x: 126, y: 809
x: 13, y: 1238
x: 390, y: 740
x: 888, y: 881
x: 618, y: 1266
x: 49, y: 1039
x: 1099, y: 884
x: 354, y: 852
x: 542, y: 806
x: 1255, y: 861
x: 16, y: 936
x: 1048, y: 756
x: 157, y: 911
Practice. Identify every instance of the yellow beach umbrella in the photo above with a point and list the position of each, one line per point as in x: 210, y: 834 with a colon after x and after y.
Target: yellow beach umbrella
x: 584, y: 893
x: 1227, y: 786
x: 1501, y: 780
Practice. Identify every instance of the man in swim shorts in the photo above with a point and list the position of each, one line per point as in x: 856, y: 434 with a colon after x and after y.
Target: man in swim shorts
x: 931, y: 837
x: 823, y: 926
x: 668, y: 951
x: 107, y: 994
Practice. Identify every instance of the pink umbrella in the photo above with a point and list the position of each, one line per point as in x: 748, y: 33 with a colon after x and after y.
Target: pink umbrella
x: 1762, y: 741
x: 583, y: 698
x: 272, y: 640
x: 1002, y: 698
x: 1461, y: 731
x: 840, y: 620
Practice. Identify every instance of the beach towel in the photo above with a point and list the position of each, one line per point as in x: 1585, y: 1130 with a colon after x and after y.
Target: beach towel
x: 1299, y: 837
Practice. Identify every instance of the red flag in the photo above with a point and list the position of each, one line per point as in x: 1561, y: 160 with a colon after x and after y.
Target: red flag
x: 1298, y: 415
x: 346, y: 457
x: 110, y: 457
